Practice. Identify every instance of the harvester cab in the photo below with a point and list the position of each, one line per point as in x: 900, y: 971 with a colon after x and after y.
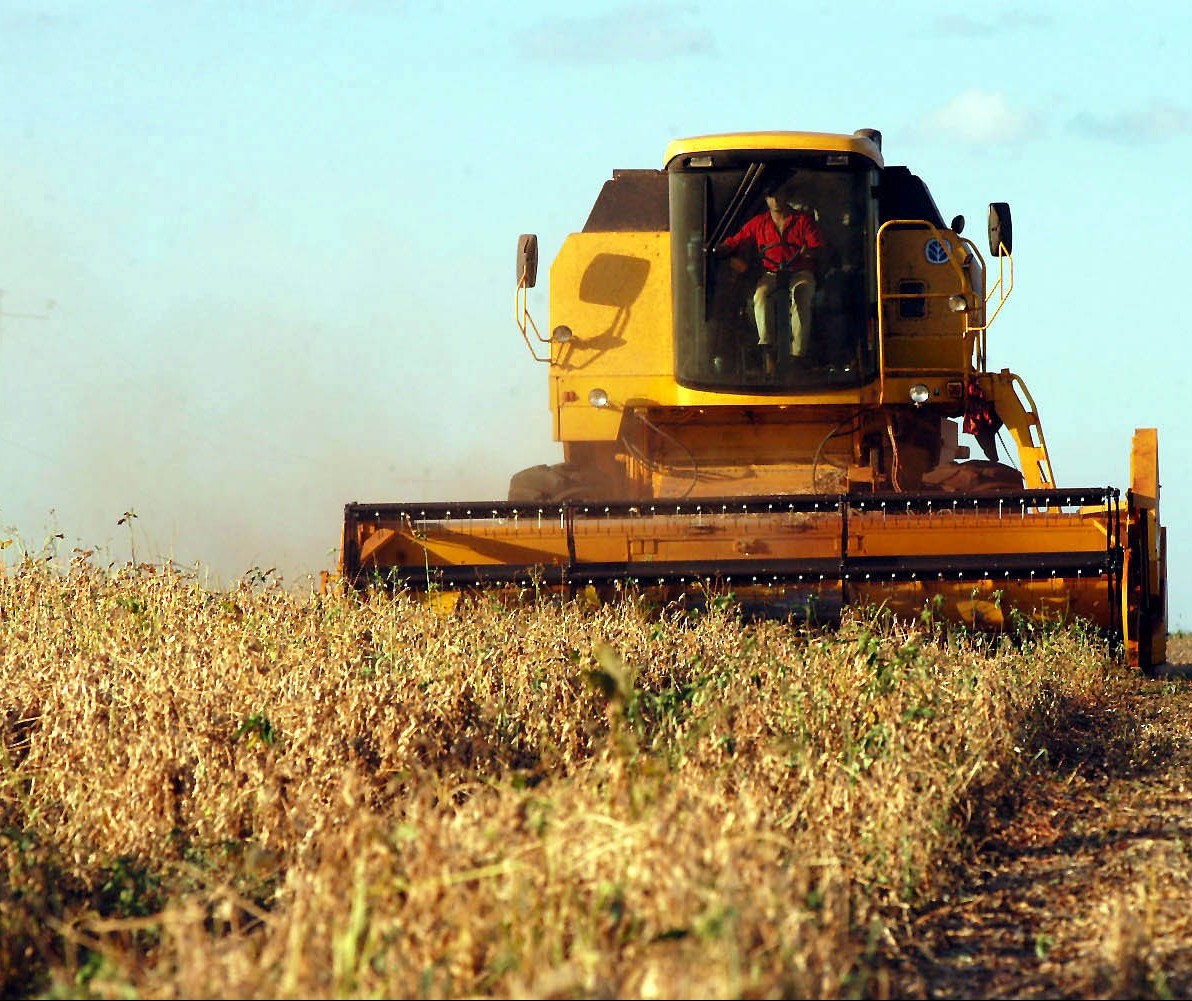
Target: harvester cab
x: 761, y: 358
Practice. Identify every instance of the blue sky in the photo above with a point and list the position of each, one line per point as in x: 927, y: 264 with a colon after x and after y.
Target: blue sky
x: 257, y: 260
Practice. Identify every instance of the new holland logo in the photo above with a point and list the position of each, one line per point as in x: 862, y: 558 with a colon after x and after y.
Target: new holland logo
x: 937, y: 251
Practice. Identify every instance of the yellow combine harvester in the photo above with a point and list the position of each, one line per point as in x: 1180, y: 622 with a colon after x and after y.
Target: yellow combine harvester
x: 761, y: 360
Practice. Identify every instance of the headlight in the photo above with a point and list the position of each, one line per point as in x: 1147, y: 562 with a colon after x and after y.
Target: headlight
x: 561, y: 334
x: 598, y: 398
x: 958, y: 303
x: 920, y: 394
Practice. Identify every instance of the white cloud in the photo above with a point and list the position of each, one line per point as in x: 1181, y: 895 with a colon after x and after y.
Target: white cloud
x: 980, y: 118
x: 1153, y: 122
x: 960, y: 24
x: 640, y: 32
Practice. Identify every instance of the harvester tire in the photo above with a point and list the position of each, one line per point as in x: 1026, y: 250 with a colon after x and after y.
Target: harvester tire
x: 977, y: 476
x: 550, y: 484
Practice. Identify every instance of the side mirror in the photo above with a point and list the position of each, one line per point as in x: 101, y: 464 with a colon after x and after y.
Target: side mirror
x: 527, y: 259
x: 1001, y: 233
x: 958, y: 224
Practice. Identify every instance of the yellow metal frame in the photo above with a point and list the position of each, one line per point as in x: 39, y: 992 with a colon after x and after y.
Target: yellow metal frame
x: 945, y: 237
x: 880, y: 533
x: 1144, y: 610
x: 738, y: 141
x: 1022, y: 421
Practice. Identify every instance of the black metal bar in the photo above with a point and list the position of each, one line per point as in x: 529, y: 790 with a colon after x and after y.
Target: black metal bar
x: 918, y: 502
x: 928, y: 502
x: 1115, y: 585
x: 960, y: 567
x: 360, y: 512
x: 844, y: 596
x: 569, y: 528
x: 1140, y: 546
x: 350, y: 557
x: 984, y: 566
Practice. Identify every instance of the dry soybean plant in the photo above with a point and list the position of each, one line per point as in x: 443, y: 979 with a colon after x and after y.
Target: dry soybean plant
x: 255, y: 793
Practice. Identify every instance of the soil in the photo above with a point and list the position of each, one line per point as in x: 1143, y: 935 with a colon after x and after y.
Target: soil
x: 1085, y: 891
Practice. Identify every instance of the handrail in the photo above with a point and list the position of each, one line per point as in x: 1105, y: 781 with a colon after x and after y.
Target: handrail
x: 969, y: 327
x: 523, y: 319
x: 1002, y: 287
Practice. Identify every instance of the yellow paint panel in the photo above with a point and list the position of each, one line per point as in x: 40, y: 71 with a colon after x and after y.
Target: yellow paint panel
x: 600, y: 284
x: 734, y: 141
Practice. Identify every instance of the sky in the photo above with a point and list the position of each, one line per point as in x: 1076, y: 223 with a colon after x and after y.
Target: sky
x: 258, y: 260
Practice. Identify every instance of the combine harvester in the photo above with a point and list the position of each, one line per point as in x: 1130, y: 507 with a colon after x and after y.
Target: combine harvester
x: 818, y: 469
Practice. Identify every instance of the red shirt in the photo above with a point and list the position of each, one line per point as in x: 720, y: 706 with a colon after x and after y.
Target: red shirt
x: 788, y: 250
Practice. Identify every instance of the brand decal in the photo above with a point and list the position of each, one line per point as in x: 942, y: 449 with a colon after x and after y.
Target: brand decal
x: 937, y: 251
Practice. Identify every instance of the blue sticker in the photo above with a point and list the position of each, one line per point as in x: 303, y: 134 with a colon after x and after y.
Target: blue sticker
x: 937, y: 251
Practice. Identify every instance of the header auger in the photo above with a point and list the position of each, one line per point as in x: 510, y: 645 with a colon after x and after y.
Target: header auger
x: 761, y: 360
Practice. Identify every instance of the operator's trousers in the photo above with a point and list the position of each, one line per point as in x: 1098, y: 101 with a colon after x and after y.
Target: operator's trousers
x: 800, y: 287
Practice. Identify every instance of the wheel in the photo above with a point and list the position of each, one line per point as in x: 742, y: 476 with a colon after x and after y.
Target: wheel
x: 976, y: 476
x: 563, y: 481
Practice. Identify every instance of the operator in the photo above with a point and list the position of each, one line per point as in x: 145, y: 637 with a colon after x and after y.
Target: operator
x: 785, y: 238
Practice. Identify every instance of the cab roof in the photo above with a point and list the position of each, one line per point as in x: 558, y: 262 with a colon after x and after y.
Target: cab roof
x: 828, y: 142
